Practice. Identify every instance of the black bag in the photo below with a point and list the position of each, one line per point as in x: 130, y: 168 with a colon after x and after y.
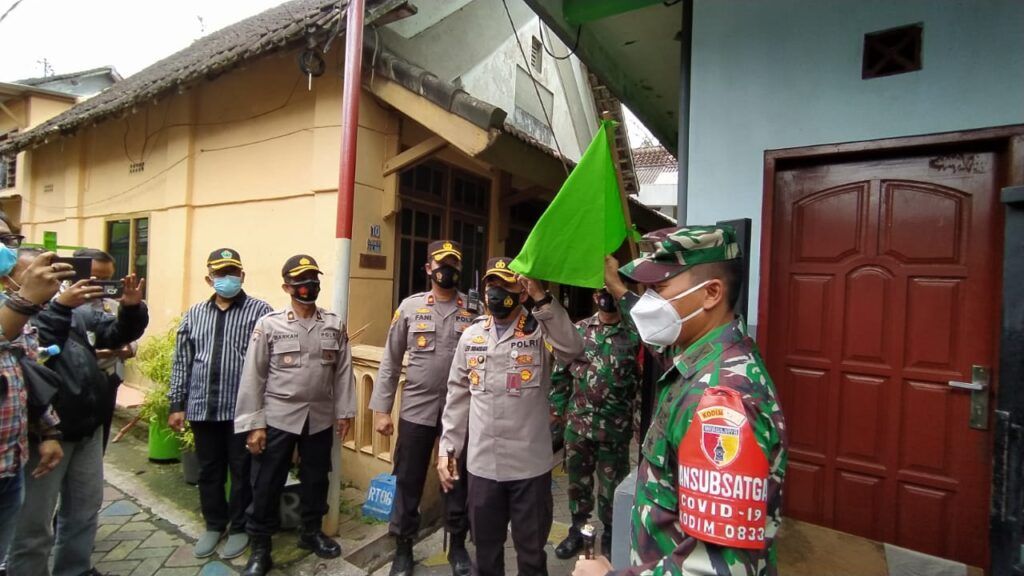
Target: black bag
x: 42, y: 385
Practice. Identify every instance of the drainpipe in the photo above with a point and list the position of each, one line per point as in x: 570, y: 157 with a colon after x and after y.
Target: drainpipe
x: 346, y: 199
x: 683, y: 144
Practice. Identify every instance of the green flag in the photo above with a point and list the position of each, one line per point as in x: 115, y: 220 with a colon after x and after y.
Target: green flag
x: 583, y: 224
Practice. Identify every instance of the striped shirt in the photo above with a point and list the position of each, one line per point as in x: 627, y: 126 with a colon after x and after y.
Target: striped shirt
x: 208, y: 356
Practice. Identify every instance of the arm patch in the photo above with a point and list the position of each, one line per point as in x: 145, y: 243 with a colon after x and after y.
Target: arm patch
x: 723, y: 475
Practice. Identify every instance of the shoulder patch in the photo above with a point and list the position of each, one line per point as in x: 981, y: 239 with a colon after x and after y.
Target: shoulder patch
x: 398, y: 313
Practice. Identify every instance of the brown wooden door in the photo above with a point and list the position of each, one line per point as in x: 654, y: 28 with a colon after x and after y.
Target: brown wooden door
x: 884, y: 288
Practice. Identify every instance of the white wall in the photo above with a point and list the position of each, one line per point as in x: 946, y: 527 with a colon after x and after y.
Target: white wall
x: 787, y: 73
x: 475, y: 45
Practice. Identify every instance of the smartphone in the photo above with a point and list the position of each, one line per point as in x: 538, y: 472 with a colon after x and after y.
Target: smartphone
x: 82, y: 266
x: 111, y: 288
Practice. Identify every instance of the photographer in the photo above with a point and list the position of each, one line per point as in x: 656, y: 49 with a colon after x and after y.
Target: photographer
x: 78, y: 479
x: 19, y: 301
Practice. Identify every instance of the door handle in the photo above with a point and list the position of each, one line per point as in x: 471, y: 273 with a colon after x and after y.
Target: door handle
x: 978, y: 386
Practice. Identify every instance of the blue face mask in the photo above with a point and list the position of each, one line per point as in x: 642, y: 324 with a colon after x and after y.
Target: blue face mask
x: 8, y: 258
x: 227, y: 286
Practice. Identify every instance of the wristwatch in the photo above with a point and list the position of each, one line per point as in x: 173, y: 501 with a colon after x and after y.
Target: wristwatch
x: 543, y: 301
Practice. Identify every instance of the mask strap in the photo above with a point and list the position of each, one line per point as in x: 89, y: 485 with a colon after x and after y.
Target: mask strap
x: 688, y: 292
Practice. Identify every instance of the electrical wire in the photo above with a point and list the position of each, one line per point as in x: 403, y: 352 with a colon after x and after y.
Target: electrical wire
x: 536, y: 88
x: 166, y: 126
x: 572, y: 51
x: 178, y: 162
x: 9, y: 10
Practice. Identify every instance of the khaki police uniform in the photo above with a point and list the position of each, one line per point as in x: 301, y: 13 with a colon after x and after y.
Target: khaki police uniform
x: 428, y: 331
x: 498, y: 392
x: 296, y: 383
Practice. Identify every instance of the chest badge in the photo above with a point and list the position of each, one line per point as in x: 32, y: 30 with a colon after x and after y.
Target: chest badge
x: 423, y: 310
x: 525, y: 375
x: 421, y: 326
x: 421, y: 341
x: 289, y: 359
x: 479, y: 340
x: 524, y: 359
x: 474, y: 378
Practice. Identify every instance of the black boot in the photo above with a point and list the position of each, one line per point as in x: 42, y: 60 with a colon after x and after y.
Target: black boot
x: 606, y: 541
x: 573, y: 543
x: 458, y: 556
x: 403, y: 562
x: 260, y: 562
x: 320, y: 544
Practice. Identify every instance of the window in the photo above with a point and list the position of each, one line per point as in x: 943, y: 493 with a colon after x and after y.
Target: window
x: 440, y: 202
x: 537, y: 55
x: 128, y: 243
x: 893, y: 51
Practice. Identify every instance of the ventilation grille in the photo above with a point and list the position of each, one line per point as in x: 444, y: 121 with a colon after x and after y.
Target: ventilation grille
x: 893, y: 51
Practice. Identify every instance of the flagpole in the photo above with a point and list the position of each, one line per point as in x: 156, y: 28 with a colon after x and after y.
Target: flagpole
x: 610, y: 133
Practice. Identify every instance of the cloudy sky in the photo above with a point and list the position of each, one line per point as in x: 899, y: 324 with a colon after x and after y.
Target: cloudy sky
x: 128, y: 34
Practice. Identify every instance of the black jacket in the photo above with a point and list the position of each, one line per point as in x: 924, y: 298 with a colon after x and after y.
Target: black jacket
x: 85, y: 389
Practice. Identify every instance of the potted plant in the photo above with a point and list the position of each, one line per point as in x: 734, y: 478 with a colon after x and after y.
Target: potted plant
x: 154, y: 361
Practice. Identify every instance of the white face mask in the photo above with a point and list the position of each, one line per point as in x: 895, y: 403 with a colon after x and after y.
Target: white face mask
x: 657, y: 320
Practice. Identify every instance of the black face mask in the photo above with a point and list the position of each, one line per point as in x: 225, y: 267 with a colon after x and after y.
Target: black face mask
x: 501, y: 302
x: 445, y: 277
x: 306, y: 292
x: 606, y: 303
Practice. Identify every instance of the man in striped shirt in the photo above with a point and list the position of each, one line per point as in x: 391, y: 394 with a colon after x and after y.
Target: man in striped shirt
x: 209, y: 352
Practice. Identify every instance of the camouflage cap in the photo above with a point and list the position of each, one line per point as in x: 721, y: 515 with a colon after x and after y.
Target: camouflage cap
x: 667, y: 252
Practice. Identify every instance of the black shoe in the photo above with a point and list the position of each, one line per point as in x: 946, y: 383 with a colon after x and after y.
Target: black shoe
x: 259, y: 563
x: 458, y: 556
x: 606, y: 541
x: 572, y: 544
x: 403, y: 563
x: 320, y: 544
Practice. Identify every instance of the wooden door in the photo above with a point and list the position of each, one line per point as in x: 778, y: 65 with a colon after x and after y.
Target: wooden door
x: 884, y: 289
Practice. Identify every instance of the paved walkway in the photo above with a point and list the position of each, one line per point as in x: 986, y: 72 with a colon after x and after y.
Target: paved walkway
x: 131, y: 541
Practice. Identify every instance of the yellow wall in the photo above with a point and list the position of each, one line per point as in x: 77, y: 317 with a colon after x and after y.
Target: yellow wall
x: 250, y: 161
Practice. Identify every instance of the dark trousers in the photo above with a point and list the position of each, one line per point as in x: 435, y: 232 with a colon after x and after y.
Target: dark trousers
x: 270, y: 471
x: 219, y: 450
x: 528, y: 505
x: 413, y: 456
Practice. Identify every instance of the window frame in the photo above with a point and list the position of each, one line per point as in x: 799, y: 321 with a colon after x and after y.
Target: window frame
x: 133, y: 251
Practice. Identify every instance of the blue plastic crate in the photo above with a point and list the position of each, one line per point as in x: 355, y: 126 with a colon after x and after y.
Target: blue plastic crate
x: 380, y: 497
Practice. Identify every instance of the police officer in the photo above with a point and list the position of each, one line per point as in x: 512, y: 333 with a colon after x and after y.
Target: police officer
x: 596, y: 396
x: 427, y: 326
x: 709, y: 489
x: 296, y: 387
x: 498, y: 391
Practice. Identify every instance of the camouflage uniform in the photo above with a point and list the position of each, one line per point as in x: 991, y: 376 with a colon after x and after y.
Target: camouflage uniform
x: 597, y: 394
x: 727, y: 358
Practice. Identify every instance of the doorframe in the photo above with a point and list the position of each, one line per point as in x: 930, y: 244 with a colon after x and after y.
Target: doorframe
x: 1010, y: 137
x: 1008, y: 140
